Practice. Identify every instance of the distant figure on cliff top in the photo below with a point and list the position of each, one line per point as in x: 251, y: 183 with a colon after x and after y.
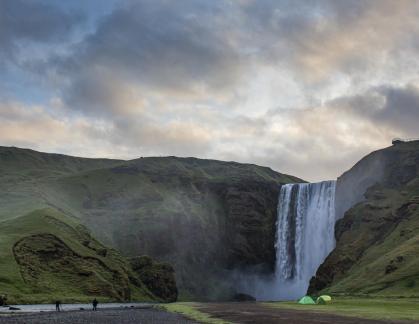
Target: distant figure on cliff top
x: 58, y: 306
x: 95, y: 302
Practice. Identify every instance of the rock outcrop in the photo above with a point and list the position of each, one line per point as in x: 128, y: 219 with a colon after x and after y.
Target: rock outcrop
x: 158, y: 277
x: 46, y: 261
x: 45, y: 255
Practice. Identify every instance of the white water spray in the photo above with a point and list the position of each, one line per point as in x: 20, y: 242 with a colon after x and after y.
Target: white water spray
x: 305, y: 235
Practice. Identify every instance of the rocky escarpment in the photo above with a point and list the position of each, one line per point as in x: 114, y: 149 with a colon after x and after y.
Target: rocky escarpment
x: 208, y: 219
x: 250, y: 215
x: 377, y: 239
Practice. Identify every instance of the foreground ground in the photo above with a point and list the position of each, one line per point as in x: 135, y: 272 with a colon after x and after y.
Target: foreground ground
x: 260, y: 313
x: 217, y: 313
x: 395, y: 309
x: 102, y: 316
x: 342, y: 311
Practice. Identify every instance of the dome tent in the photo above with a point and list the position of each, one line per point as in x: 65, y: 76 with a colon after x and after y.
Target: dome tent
x: 306, y: 300
x: 324, y: 299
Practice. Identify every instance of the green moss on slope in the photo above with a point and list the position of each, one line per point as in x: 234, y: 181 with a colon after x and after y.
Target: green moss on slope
x: 45, y: 255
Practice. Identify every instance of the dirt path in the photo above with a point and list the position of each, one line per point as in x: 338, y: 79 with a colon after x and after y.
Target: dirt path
x: 257, y: 313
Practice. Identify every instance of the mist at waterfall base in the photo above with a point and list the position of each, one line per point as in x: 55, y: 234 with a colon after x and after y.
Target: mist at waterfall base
x: 304, y: 238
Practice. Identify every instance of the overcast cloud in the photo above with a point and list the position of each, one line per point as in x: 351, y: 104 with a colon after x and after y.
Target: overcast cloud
x: 304, y: 87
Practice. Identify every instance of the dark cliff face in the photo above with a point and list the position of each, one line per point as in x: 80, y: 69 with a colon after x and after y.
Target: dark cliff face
x: 376, y: 240
x: 250, y: 213
x: 208, y: 219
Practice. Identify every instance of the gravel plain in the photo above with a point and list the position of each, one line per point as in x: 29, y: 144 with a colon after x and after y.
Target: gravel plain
x: 102, y: 316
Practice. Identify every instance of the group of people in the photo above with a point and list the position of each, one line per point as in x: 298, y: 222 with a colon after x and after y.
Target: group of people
x: 58, y: 305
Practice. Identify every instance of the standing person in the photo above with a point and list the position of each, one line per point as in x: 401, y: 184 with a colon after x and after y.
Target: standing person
x: 57, y: 306
x: 95, y: 302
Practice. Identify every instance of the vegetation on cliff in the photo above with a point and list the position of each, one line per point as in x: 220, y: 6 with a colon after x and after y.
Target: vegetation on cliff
x: 206, y: 218
x: 158, y: 277
x: 378, y: 238
x: 45, y: 255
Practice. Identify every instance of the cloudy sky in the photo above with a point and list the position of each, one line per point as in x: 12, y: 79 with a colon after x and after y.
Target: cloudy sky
x: 304, y: 87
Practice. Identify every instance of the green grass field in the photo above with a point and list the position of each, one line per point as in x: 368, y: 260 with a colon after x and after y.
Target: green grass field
x: 372, y: 308
x: 189, y: 310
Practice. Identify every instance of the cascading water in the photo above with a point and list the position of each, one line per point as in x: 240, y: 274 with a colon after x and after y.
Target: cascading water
x: 305, y: 235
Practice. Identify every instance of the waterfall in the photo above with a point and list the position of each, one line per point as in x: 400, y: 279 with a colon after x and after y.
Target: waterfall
x: 305, y: 235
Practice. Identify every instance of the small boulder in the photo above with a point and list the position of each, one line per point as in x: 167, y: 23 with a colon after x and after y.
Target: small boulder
x: 102, y: 252
x: 13, y: 308
x: 390, y: 268
x: 241, y: 297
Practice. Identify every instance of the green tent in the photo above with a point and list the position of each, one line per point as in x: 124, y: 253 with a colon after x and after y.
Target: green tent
x: 306, y: 300
x: 324, y: 299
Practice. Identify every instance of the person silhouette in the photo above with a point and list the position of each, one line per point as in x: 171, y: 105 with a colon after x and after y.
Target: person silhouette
x: 57, y: 306
x: 95, y: 302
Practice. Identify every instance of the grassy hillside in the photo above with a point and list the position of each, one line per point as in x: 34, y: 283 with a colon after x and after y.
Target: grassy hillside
x: 207, y: 218
x: 378, y: 238
x: 44, y: 256
x: 26, y: 174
